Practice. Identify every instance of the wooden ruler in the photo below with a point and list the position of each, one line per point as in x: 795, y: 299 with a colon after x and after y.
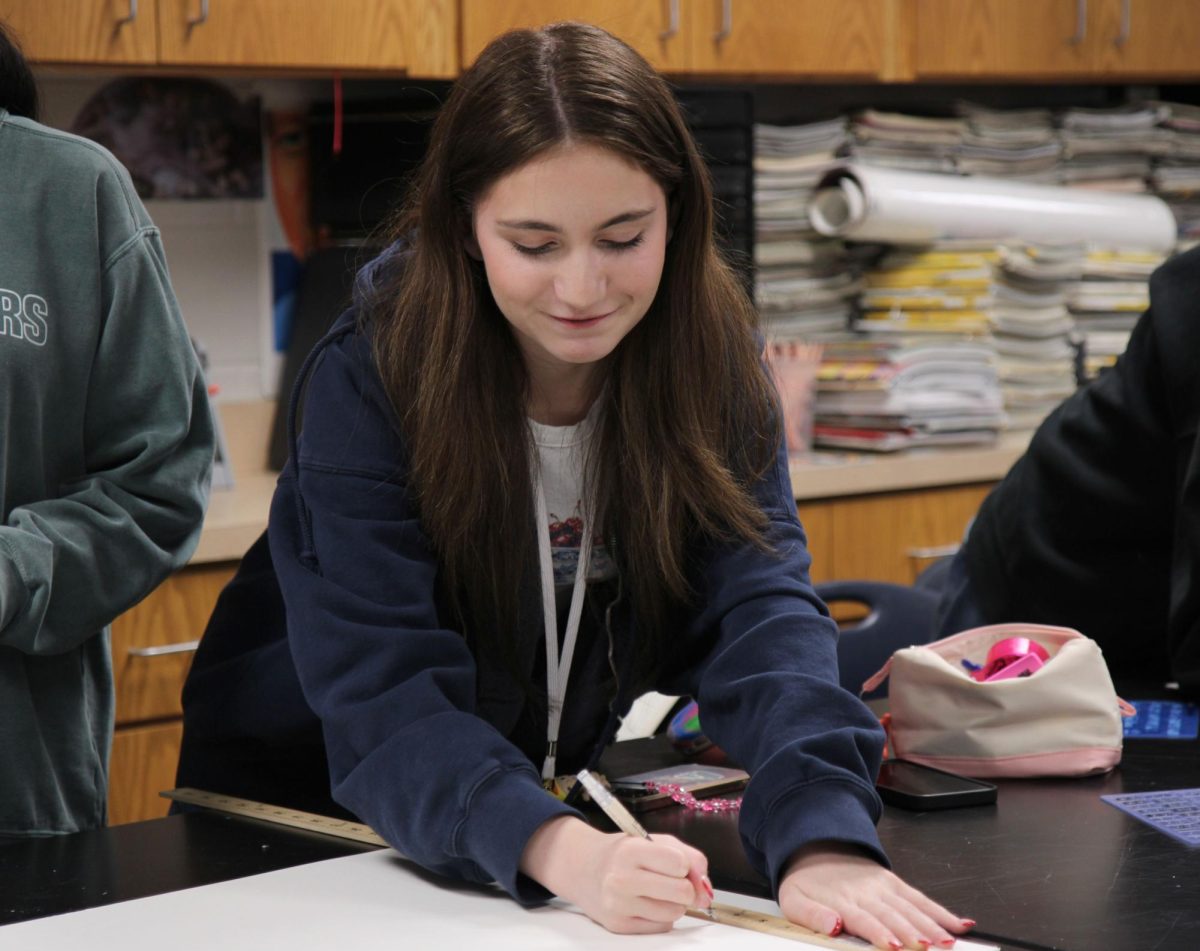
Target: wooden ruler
x: 772, y: 925
x: 308, y: 821
x: 311, y: 822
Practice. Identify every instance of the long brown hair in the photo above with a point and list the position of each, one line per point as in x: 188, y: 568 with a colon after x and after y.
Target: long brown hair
x: 689, y: 419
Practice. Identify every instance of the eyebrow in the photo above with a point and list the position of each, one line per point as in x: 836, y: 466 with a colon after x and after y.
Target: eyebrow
x: 530, y: 224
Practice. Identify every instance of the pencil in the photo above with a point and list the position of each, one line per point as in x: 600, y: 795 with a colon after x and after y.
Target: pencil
x: 612, y: 806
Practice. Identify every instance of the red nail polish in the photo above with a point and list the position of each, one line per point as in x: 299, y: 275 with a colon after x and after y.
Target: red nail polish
x: 924, y: 942
x: 968, y: 922
x: 836, y: 929
x: 948, y: 943
x: 895, y: 945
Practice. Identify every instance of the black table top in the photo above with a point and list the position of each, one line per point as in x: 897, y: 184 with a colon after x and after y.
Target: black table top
x: 1049, y: 866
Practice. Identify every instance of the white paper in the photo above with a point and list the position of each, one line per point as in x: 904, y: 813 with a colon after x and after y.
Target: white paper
x: 864, y: 203
x: 370, y: 902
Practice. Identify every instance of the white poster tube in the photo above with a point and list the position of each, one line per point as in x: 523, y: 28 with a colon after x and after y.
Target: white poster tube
x: 863, y: 203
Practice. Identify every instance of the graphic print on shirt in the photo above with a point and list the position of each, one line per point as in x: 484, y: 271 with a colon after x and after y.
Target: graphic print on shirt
x: 23, y: 317
x: 566, y: 534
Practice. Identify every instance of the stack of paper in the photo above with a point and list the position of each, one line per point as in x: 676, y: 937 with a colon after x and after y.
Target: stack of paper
x: 1009, y: 143
x: 1111, y: 148
x: 1176, y: 175
x: 804, y: 283
x: 945, y: 288
x: 887, y: 393
x: 1032, y: 328
x: 1107, y: 301
x: 897, y: 140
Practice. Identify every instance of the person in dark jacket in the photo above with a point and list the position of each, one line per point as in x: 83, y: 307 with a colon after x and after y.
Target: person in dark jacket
x: 1097, y: 525
x: 541, y: 472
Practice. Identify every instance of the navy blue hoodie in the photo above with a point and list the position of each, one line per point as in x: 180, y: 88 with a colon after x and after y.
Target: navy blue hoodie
x: 418, y: 728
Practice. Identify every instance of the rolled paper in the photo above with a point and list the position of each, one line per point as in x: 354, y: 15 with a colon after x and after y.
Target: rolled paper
x: 862, y: 203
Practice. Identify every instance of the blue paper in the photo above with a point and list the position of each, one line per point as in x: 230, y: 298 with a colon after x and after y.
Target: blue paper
x: 1163, y: 720
x: 1173, y: 811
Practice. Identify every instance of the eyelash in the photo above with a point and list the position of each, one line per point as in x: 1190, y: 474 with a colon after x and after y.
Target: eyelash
x: 615, y: 246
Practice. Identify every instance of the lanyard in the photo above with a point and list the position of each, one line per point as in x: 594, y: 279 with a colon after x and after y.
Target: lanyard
x: 558, y: 668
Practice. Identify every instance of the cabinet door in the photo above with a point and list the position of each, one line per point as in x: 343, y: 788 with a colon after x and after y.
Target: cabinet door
x: 411, y: 36
x: 889, y: 537
x: 851, y: 38
x: 643, y: 24
x: 1150, y: 39
x: 1006, y: 38
x: 142, y: 765
x: 153, y: 642
x: 84, y: 31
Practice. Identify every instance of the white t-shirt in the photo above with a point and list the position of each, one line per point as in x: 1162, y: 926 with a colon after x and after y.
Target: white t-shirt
x: 561, y: 451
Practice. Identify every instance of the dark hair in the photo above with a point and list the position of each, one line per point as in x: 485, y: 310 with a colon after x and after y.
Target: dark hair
x: 18, y: 88
x: 689, y: 419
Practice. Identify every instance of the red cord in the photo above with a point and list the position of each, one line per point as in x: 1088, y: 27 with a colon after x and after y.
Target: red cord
x: 337, y: 114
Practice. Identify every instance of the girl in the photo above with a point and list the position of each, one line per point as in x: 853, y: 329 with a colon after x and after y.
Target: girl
x: 541, y: 472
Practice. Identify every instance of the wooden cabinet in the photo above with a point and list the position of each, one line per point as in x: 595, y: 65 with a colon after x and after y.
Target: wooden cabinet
x: 118, y: 32
x: 1056, y: 39
x: 413, y: 37
x: 847, y: 39
x: 891, y: 536
x: 767, y: 38
x: 653, y: 28
x: 152, y: 647
x: 1152, y: 39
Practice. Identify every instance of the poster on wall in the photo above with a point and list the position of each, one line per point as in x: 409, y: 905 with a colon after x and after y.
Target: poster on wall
x: 180, y: 138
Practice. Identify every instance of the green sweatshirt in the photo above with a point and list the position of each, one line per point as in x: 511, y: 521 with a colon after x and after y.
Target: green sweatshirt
x: 106, y: 449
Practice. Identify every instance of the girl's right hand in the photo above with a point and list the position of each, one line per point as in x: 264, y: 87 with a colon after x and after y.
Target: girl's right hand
x: 627, y: 884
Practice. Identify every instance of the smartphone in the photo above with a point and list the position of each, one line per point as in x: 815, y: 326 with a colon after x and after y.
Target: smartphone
x: 913, y: 786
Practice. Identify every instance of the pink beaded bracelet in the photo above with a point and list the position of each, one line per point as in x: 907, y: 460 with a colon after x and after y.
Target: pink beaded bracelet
x: 688, y: 801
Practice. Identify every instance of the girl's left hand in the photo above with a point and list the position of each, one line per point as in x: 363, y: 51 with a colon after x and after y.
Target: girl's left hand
x: 830, y: 888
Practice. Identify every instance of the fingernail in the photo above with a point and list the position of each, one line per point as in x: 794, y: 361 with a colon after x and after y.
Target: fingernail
x: 924, y: 942
x: 947, y: 943
x: 895, y: 945
x: 704, y: 880
x: 967, y: 922
x: 836, y: 929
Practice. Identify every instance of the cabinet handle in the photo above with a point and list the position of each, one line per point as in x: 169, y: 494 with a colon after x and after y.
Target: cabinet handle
x: 932, y: 552
x: 183, y: 647
x: 726, y: 30
x: 1126, y: 22
x: 1080, y: 23
x: 129, y: 17
x: 200, y: 18
x: 672, y: 21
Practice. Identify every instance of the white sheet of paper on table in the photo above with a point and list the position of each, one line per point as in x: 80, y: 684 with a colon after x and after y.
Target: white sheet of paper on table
x: 360, y: 903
